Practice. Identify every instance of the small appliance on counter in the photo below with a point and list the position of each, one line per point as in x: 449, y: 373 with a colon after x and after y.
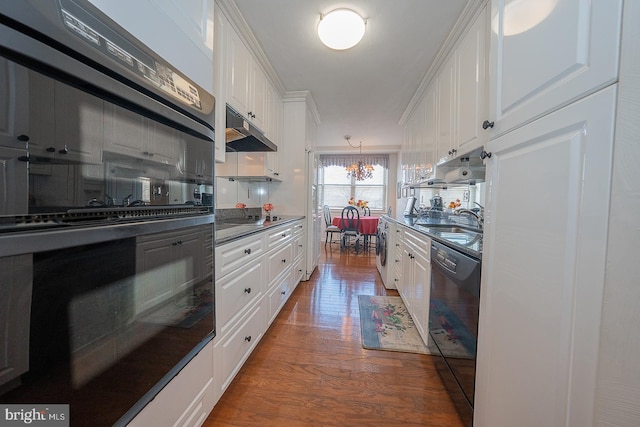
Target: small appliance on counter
x: 410, y: 208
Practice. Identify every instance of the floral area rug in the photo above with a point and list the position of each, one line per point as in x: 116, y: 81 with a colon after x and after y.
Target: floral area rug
x: 386, y: 324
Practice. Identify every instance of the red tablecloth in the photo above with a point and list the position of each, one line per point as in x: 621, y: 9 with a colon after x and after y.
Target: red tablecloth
x: 368, y: 224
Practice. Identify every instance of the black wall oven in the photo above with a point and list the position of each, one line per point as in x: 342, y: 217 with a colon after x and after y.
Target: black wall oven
x: 106, y: 216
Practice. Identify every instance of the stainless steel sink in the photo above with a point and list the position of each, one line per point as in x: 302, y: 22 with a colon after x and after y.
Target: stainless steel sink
x: 448, y: 228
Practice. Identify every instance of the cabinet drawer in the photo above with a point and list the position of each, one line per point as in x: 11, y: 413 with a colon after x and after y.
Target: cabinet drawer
x: 298, y: 245
x: 298, y: 228
x: 419, y: 243
x: 279, y: 235
x: 234, y: 349
x: 234, y: 255
x: 298, y: 272
x: 278, y: 295
x: 235, y: 292
x: 278, y: 261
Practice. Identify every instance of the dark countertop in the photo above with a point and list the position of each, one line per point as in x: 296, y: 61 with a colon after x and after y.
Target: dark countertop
x: 233, y: 229
x: 435, y: 228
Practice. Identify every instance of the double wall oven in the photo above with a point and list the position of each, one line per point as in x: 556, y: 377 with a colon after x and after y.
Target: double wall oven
x: 106, y: 216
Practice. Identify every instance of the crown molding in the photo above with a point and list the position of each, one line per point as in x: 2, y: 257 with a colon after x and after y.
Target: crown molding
x: 306, y: 97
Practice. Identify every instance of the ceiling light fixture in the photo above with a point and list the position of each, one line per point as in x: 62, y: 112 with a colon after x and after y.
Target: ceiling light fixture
x: 341, y: 29
x: 358, y: 170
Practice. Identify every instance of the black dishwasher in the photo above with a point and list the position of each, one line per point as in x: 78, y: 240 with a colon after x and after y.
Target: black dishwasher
x: 453, y: 321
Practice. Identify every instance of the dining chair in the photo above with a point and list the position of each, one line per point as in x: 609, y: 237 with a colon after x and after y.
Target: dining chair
x: 350, y: 224
x: 366, y: 211
x: 330, y: 228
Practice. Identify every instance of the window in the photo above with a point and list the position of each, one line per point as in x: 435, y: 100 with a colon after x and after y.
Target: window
x: 336, y: 188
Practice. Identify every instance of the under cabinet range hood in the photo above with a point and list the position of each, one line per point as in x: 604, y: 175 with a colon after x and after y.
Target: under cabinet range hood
x: 465, y: 175
x: 249, y: 167
x: 242, y: 136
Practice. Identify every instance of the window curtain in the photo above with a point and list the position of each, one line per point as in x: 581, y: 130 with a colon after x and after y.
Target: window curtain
x: 345, y: 160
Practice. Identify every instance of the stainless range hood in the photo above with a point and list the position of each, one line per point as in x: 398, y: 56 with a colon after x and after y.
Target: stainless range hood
x: 242, y: 136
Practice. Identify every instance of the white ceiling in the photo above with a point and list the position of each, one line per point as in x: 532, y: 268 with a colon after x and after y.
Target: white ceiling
x: 362, y: 91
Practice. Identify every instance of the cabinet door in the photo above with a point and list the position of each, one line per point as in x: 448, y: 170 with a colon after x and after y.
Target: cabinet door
x: 561, y: 51
x: 188, y: 258
x: 13, y: 104
x: 471, y: 82
x: 154, y: 281
x: 41, y: 115
x: 238, y: 69
x: 165, y: 143
x: 124, y: 131
x: 430, y: 131
x: 78, y: 125
x: 446, y: 116
x: 543, y: 268
x: 258, y: 97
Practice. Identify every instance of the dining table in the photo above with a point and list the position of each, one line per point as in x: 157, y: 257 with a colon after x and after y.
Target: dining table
x: 368, y: 226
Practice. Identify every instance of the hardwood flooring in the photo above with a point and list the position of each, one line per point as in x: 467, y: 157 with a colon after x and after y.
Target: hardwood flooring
x: 310, y: 368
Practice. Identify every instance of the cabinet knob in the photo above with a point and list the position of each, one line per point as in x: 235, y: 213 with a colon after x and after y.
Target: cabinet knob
x: 282, y: 293
x: 247, y: 290
x: 65, y: 150
x: 247, y: 251
x: 284, y: 234
x: 23, y: 138
x: 487, y: 124
x: 51, y: 149
x: 284, y: 261
x: 247, y: 338
x: 484, y: 155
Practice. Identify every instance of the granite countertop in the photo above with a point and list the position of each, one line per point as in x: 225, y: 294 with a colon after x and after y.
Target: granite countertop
x: 227, y: 230
x: 469, y: 241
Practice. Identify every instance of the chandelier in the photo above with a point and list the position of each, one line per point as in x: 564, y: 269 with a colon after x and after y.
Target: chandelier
x: 358, y: 170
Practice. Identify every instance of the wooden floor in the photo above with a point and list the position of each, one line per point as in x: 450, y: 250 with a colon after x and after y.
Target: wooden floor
x: 310, y: 368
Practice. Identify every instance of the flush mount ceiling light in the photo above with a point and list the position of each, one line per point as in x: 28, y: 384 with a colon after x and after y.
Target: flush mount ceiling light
x: 341, y: 29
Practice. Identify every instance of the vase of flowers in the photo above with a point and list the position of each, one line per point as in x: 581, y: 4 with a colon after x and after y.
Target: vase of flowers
x: 268, y: 207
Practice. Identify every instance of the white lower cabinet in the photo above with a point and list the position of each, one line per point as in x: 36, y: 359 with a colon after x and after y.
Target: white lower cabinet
x: 254, y: 278
x: 235, y: 292
x: 543, y: 268
x: 278, y: 293
x: 233, y: 349
x: 187, y: 399
x: 415, y: 284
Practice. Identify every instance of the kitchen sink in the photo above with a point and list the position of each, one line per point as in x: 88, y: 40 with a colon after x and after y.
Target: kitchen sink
x: 448, y: 228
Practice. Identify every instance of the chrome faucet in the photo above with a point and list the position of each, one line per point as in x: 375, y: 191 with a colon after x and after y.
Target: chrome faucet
x: 477, y: 216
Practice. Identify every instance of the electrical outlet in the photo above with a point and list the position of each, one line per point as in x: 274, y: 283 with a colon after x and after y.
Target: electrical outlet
x: 465, y: 195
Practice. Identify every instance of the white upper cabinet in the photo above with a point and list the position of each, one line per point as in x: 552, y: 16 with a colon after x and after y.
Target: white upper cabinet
x: 546, y: 54
x: 238, y: 63
x: 246, y: 82
x: 471, y: 105
x: 446, y: 111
